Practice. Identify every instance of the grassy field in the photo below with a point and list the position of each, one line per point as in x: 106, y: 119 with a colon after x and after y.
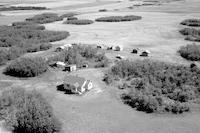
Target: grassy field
x: 101, y: 110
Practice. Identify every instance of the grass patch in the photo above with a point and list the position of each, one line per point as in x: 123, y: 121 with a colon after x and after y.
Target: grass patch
x: 79, y: 22
x: 156, y: 86
x: 191, y: 22
x: 190, y: 52
x: 191, y: 34
x: 118, y: 18
x: 45, y: 18
x: 26, y: 67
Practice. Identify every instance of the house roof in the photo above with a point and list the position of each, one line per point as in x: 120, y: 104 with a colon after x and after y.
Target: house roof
x: 74, y: 80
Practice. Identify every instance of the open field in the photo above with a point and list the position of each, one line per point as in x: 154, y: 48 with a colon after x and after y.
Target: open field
x: 101, y: 110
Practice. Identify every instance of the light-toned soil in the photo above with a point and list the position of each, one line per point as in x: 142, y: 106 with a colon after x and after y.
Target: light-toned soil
x: 101, y: 110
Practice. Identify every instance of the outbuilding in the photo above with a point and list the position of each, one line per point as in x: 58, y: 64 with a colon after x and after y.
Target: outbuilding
x: 71, y: 68
x: 77, y: 85
x: 118, y: 48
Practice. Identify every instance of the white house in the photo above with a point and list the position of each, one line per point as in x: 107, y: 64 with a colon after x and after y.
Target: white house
x: 77, y: 84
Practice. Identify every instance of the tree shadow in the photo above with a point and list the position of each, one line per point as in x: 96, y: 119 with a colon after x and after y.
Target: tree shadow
x: 62, y: 88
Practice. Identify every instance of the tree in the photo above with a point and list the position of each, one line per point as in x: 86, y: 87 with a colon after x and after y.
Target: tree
x: 27, y: 112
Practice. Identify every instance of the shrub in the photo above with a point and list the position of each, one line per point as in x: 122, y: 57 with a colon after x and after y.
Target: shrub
x: 103, y: 10
x: 26, y: 67
x: 118, y: 18
x: 45, y: 18
x: 68, y: 15
x: 191, y: 22
x: 27, y: 112
x: 72, y: 18
x: 10, y: 36
x: 27, y: 25
x: 190, y: 52
x: 157, y: 86
x: 79, y: 22
x: 191, y: 34
x: 13, y: 8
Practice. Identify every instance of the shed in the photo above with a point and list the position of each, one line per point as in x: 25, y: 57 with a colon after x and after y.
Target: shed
x: 70, y: 68
x: 60, y: 64
x: 77, y: 84
x: 118, y: 48
x: 144, y: 53
x: 135, y: 51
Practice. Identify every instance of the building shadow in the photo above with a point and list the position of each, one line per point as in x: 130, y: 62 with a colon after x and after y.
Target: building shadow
x: 62, y: 88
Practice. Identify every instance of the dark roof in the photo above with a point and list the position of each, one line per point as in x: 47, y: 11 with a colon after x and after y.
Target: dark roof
x: 74, y: 80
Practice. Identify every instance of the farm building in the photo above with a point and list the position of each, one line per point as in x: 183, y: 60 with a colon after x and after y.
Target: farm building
x: 60, y: 64
x: 135, y: 51
x: 119, y: 57
x: 70, y: 68
x: 110, y: 48
x: 145, y: 53
x: 118, y: 48
x: 64, y: 47
x: 77, y: 84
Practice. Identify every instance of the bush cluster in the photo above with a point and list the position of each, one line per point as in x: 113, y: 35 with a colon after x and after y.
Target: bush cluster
x: 10, y: 54
x: 27, y: 25
x: 45, y: 18
x: 68, y: 15
x: 118, y: 18
x: 27, y: 112
x: 81, y: 53
x: 190, y: 52
x: 26, y: 67
x: 13, y: 8
x: 157, y: 86
x: 191, y: 34
x: 191, y: 22
x: 79, y: 22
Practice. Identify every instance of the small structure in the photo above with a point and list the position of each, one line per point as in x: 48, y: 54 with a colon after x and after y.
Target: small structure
x: 119, y: 57
x: 99, y: 46
x: 64, y: 47
x: 145, y: 53
x: 118, y: 48
x: 110, y: 48
x: 135, y: 51
x: 85, y: 66
x: 70, y: 68
x: 60, y: 64
x: 77, y: 85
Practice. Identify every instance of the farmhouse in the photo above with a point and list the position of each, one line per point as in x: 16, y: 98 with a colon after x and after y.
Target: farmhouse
x: 77, y: 84
x: 60, y: 64
x: 70, y: 68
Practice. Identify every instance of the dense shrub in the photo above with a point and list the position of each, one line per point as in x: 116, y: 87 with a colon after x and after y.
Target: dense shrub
x: 27, y: 112
x: 28, y: 25
x: 26, y: 67
x: 118, y: 18
x: 10, y: 54
x: 13, y: 8
x: 72, y: 18
x: 45, y: 18
x: 39, y: 47
x: 191, y: 34
x: 80, y: 53
x: 191, y: 22
x: 79, y: 22
x: 68, y: 15
x: 157, y: 86
x: 190, y: 52
x: 9, y: 36
x: 103, y: 10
